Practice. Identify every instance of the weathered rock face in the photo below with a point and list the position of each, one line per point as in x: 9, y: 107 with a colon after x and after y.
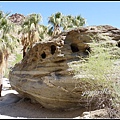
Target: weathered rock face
x: 43, y: 74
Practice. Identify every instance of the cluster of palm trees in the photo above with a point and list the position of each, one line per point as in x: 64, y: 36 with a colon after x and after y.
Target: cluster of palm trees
x: 30, y: 32
x: 8, y: 42
x: 33, y: 32
x: 60, y: 22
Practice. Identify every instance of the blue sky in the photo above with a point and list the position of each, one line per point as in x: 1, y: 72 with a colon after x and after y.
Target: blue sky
x: 96, y: 13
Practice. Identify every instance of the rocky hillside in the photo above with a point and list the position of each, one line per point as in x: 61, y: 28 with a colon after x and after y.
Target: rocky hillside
x: 17, y: 18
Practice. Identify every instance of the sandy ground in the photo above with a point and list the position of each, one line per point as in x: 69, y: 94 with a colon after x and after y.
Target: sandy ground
x: 12, y: 106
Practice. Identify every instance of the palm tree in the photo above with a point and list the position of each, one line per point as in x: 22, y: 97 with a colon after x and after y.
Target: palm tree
x: 43, y: 32
x: 67, y: 22
x: 60, y: 22
x: 70, y: 21
x: 8, y: 43
x: 79, y: 21
x: 30, y: 31
x: 55, y: 21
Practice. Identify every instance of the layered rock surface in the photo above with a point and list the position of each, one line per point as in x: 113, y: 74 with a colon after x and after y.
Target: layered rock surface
x: 44, y: 75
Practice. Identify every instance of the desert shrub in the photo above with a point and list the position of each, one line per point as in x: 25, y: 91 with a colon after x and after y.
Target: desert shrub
x: 99, y: 72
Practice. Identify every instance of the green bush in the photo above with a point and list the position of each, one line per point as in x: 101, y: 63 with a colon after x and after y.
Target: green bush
x: 99, y: 72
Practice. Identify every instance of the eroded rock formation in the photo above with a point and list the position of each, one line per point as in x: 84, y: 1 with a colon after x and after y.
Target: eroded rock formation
x: 43, y: 74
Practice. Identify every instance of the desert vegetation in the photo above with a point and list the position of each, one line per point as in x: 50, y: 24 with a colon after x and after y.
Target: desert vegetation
x: 99, y: 79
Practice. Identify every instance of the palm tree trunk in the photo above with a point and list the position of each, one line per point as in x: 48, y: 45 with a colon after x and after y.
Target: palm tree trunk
x: 24, y: 51
x: 1, y: 83
x: 3, y: 64
x: 1, y: 70
x: 0, y: 90
x: 1, y: 78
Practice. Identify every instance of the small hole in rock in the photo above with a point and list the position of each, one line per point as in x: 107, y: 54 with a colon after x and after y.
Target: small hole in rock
x: 118, y: 44
x: 74, y: 47
x: 43, y: 55
x: 92, y: 28
x: 53, y: 48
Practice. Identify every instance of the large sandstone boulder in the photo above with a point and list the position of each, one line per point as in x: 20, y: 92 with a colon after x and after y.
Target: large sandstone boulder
x: 44, y: 75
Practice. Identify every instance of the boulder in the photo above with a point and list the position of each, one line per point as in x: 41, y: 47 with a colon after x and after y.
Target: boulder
x: 43, y: 75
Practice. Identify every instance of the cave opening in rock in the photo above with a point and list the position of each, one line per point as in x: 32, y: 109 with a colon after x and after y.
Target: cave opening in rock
x: 43, y: 55
x: 74, y: 47
x: 53, y: 48
x: 118, y: 44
